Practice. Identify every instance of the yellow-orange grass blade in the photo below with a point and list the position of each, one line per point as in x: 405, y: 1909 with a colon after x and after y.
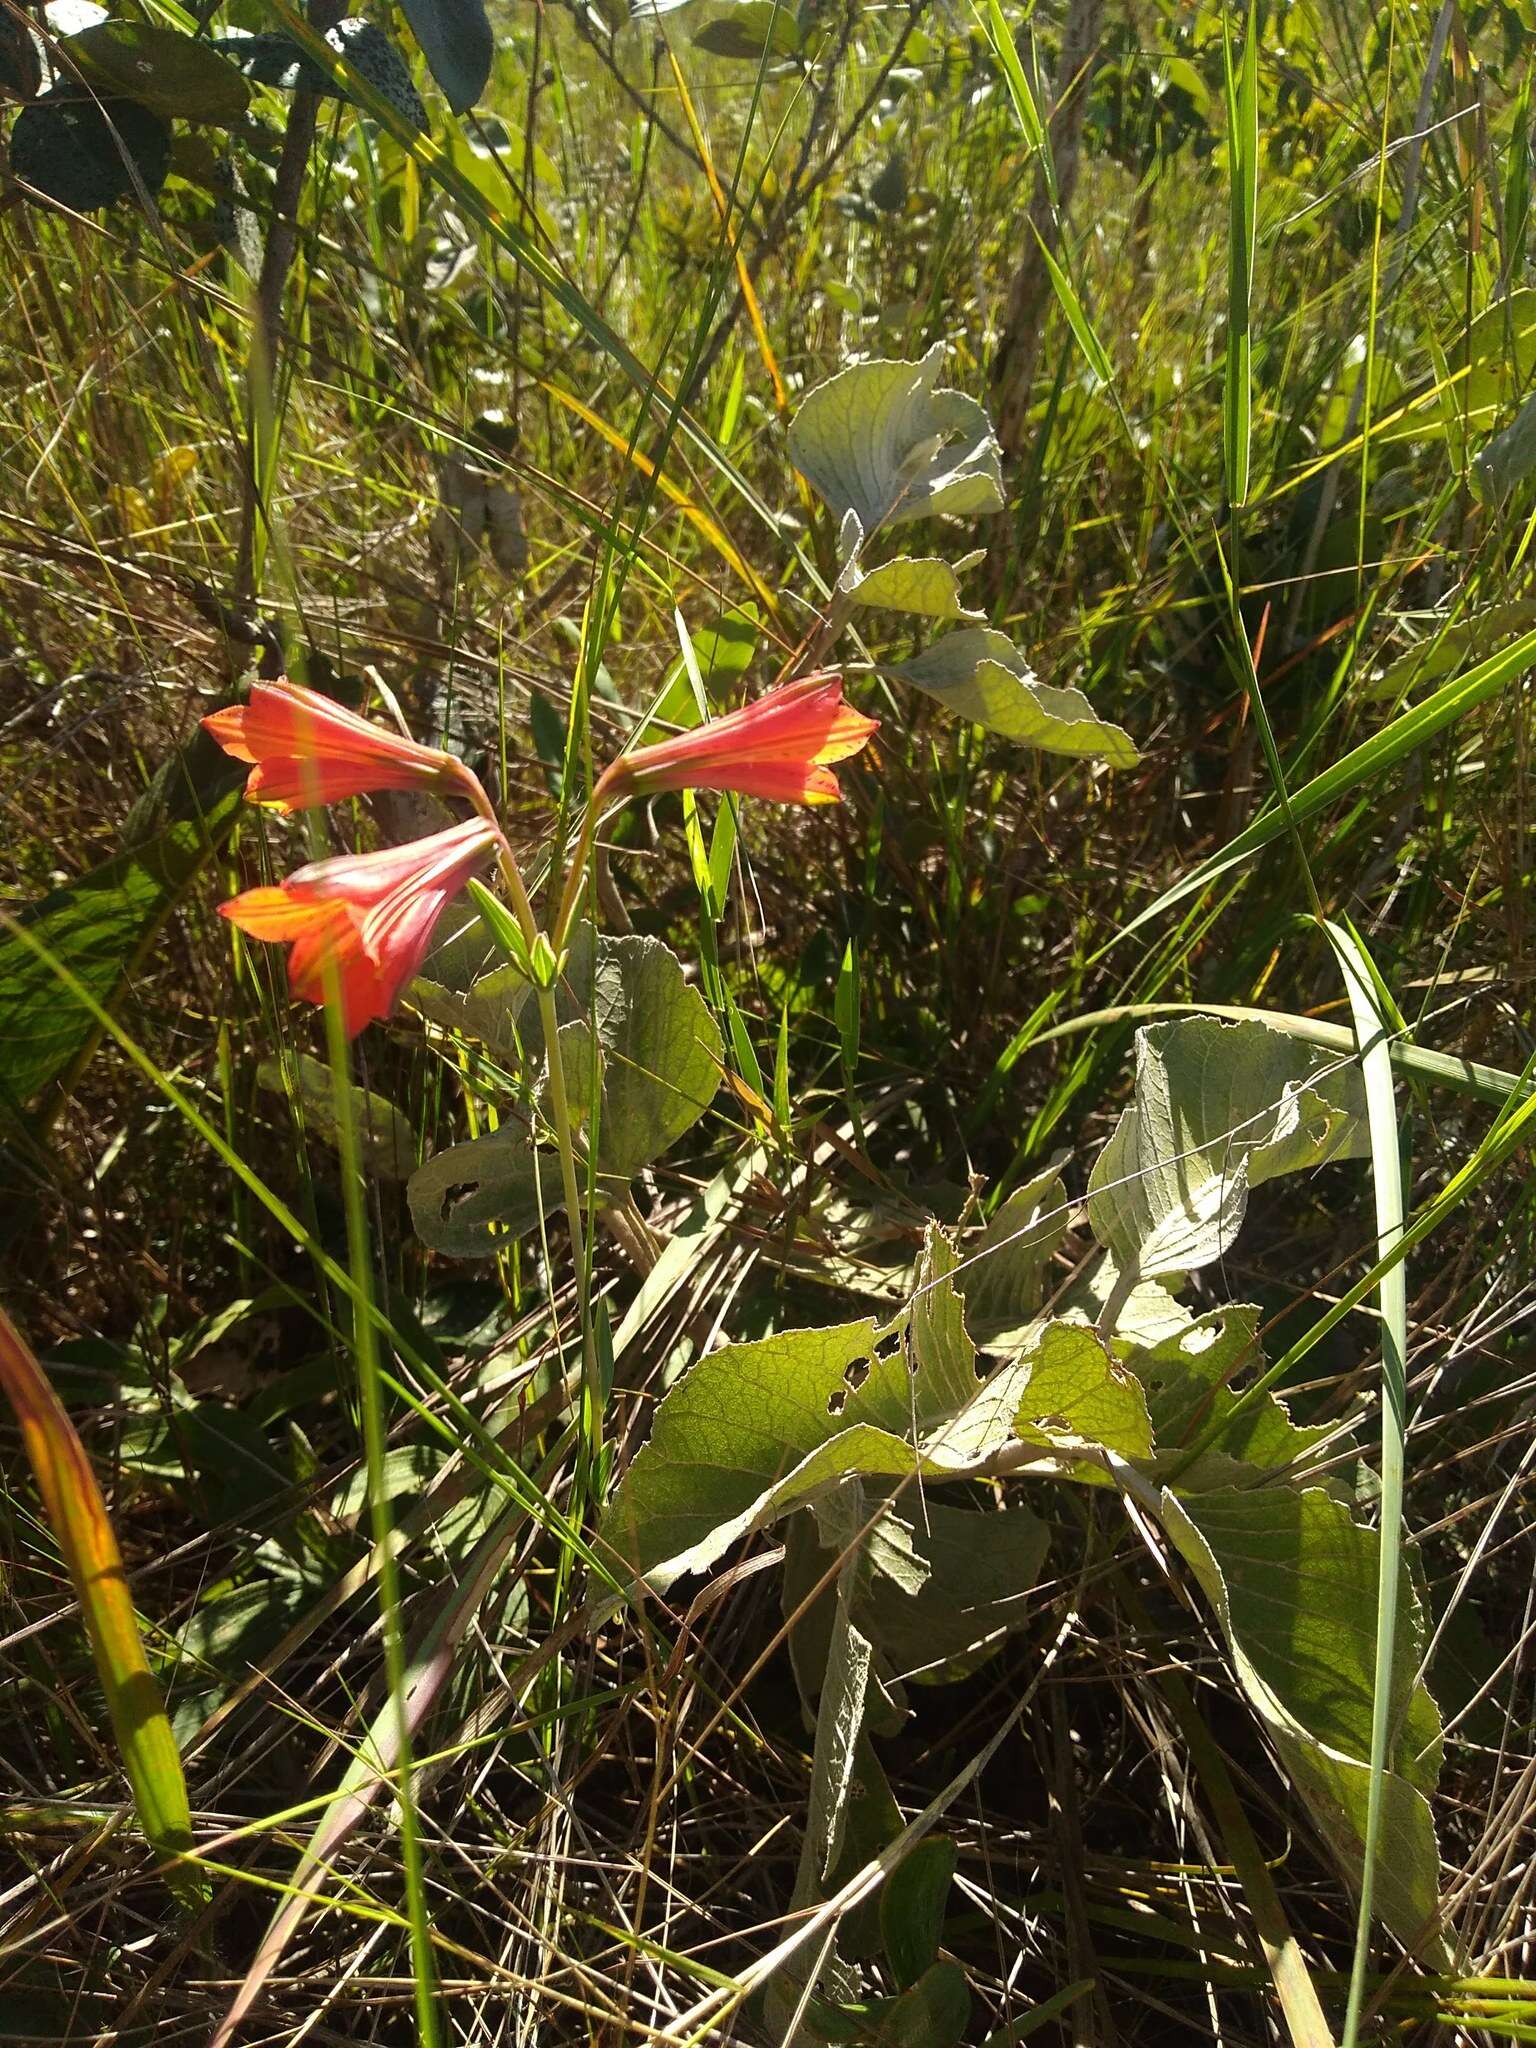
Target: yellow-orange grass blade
x: 743, y: 275
x: 78, y: 1515
x: 696, y: 518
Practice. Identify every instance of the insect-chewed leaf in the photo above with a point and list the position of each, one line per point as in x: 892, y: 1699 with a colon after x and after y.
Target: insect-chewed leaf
x: 880, y: 441
x: 757, y: 1429
x: 979, y: 674
x: 1219, y: 1108
x: 1293, y: 1579
x: 1193, y: 1379
x: 374, y: 57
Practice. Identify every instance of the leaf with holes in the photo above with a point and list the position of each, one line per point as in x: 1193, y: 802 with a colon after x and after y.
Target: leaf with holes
x: 1292, y: 1577
x: 1219, y: 1109
x: 1065, y: 1395
x: 1189, y: 1378
x: 980, y: 675
x: 879, y: 440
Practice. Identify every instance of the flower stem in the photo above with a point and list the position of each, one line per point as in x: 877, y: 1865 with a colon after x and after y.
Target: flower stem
x: 565, y: 1139
x: 591, y: 1376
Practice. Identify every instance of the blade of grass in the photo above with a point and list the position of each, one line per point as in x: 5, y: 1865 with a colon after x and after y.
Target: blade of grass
x: 365, y: 1348
x: 1373, y: 1025
x: 78, y: 1517
x: 1242, y: 93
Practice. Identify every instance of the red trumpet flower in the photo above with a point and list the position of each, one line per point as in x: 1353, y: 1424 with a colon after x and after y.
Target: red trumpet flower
x: 305, y: 749
x: 362, y: 923
x: 777, y: 747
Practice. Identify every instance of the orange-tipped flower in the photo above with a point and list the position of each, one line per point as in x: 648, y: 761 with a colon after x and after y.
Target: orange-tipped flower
x: 306, y: 749
x: 362, y: 923
x: 778, y: 747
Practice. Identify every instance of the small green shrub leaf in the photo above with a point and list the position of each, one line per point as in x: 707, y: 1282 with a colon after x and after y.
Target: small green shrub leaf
x: 85, y: 153
x: 176, y: 76
x: 751, y: 30
x: 979, y: 674
x: 455, y: 38
x: 649, y: 1076
x: 880, y: 441
x: 386, y: 1142
x: 910, y: 583
x: 757, y: 1429
x: 471, y: 1199
x: 1219, y: 1108
x: 1003, y: 1267
x: 946, y: 1585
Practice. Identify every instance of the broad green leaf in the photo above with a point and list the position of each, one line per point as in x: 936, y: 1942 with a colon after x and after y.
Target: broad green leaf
x: 880, y: 441
x: 757, y: 1429
x: 910, y: 583
x: 455, y: 38
x: 1219, y: 1108
x: 912, y: 1904
x: 473, y: 1198
x: 655, y: 1072
x: 1433, y: 659
x: 83, y: 152
x: 177, y: 76
x: 751, y: 30
x: 385, y: 1140
x: 1189, y: 1380
x: 1003, y: 1267
x: 1066, y: 1394
x: 1492, y: 363
x: 1292, y: 1577
x: 935, y: 2012
x: 979, y: 674
x: 1077, y: 1394
x: 945, y: 1585
x: 1146, y: 1314
x: 98, y: 925
x: 82, y: 1528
